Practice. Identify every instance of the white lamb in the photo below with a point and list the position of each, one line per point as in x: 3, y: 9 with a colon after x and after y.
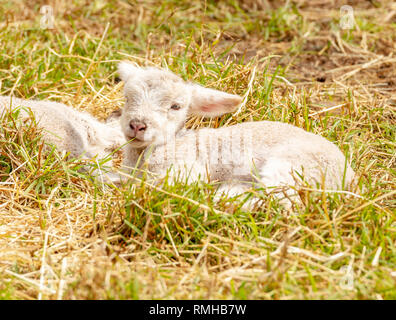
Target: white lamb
x: 68, y: 129
x: 265, y: 153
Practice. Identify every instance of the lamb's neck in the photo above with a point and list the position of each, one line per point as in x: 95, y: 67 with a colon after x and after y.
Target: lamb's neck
x: 132, y: 155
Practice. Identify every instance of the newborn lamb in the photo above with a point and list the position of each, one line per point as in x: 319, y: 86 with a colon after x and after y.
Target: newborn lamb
x: 69, y: 130
x: 265, y: 153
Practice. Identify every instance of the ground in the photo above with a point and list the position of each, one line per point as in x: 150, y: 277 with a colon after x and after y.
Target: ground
x: 65, y: 235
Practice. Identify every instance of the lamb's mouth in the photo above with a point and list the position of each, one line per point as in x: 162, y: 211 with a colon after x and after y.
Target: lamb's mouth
x: 133, y: 139
x: 137, y: 142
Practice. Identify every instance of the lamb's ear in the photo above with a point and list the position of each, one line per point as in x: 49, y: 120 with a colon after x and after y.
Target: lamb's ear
x: 126, y: 70
x: 212, y: 103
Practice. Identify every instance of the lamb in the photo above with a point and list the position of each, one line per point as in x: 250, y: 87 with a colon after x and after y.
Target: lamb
x: 69, y: 130
x: 269, y: 154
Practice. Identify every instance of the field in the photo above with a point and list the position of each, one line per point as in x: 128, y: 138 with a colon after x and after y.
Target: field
x: 66, y: 235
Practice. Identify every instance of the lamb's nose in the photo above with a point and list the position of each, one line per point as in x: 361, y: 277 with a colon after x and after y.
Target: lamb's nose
x: 137, y: 126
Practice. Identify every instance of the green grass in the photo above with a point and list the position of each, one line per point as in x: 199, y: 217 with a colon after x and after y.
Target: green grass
x: 84, y: 240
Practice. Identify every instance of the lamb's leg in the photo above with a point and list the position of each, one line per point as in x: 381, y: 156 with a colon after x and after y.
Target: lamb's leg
x: 276, y: 176
x: 184, y: 173
x: 231, y: 190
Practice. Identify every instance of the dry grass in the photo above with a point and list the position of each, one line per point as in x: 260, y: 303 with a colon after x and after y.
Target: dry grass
x: 64, y: 235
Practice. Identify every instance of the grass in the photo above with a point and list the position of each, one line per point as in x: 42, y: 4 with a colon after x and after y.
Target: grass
x: 64, y: 235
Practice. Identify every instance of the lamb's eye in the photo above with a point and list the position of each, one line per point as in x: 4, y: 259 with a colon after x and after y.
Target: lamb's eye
x: 175, y: 106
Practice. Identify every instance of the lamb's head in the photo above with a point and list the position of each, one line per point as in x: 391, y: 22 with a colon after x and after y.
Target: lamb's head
x: 158, y: 103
